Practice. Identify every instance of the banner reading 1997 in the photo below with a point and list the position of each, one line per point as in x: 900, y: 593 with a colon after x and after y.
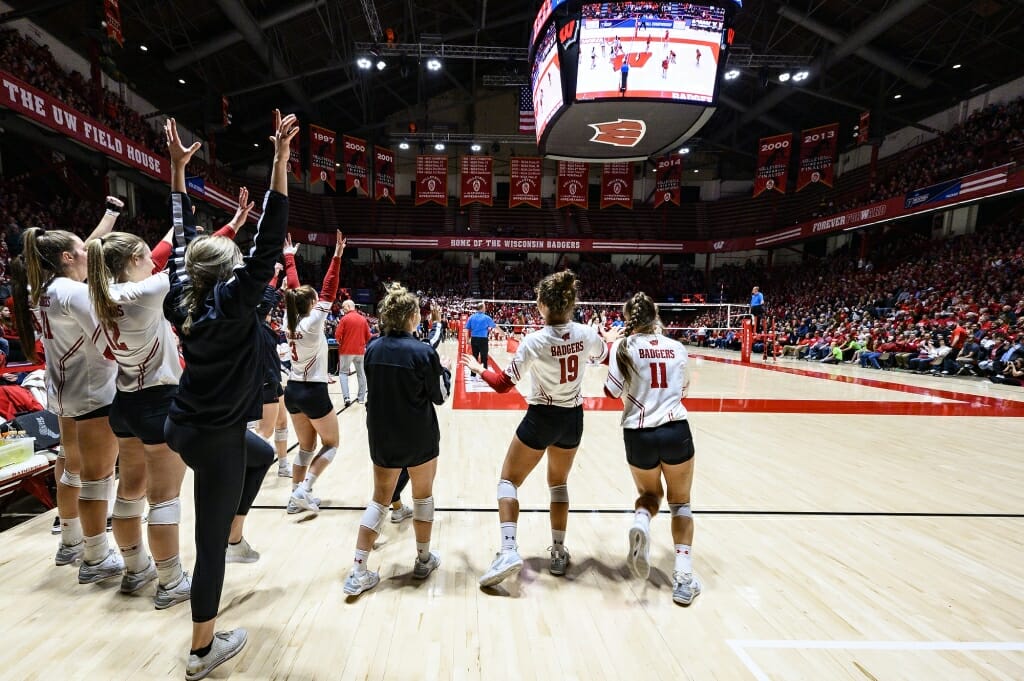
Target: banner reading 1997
x: 322, y: 144
x: 773, y: 163
x: 818, y: 155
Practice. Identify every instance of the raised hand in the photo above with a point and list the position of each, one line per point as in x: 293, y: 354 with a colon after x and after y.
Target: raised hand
x: 285, y: 128
x: 339, y: 246
x: 242, y: 212
x: 289, y: 249
x: 473, y: 365
x: 180, y: 155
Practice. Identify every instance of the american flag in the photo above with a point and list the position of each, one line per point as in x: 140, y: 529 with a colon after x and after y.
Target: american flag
x: 527, y: 121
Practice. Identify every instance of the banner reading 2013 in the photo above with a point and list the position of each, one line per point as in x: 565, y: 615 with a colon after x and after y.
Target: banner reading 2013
x: 773, y: 163
x: 322, y: 146
x: 818, y: 155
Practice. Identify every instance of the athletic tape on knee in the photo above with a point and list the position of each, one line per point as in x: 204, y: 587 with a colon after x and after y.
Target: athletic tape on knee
x: 125, y: 509
x: 559, y: 494
x: 373, y: 517
x: 97, y: 490
x: 423, y: 509
x: 70, y: 479
x: 165, y: 513
x: 304, y: 458
x: 506, y: 490
x: 327, y: 453
x: 680, y: 510
x: 280, y: 435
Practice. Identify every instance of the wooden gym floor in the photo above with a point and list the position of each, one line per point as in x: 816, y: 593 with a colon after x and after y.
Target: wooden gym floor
x: 850, y: 524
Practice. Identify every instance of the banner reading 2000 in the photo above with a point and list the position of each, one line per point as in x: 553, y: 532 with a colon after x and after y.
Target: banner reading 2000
x: 322, y: 144
x: 773, y: 163
x: 357, y: 165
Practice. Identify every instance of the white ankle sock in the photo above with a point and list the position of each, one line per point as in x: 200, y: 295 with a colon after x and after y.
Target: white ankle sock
x: 168, y: 572
x: 359, y: 562
x: 642, y: 518
x: 508, y: 536
x: 558, y: 537
x: 71, y: 531
x: 684, y: 559
x: 307, y: 484
x: 96, y: 548
x: 423, y: 551
x: 135, y: 559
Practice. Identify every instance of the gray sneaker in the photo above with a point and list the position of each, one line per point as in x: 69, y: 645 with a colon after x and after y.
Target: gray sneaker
x: 685, y: 588
x: 506, y: 564
x: 422, y: 570
x: 639, y: 558
x: 358, y: 582
x: 559, y: 560
x: 66, y: 555
x: 284, y: 469
x: 133, y: 581
x: 226, y: 644
x: 241, y: 553
x: 179, y: 593
x: 302, y: 500
x: 111, y: 566
x: 401, y: 513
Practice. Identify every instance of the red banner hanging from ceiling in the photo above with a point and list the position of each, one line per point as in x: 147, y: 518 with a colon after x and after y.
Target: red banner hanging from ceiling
x: 773, y: 163
x: 322, y: 148
x: 617, y: 185
x: 357, y: 165
x: 476, y: 174
x: 112, y: 17
x: 668, y: 180
x: 571, y: 189
x: 525, y: 182
x: 384, y: 174
x: 818, y: 156
x: 864, y: 129
x: 432, y: 180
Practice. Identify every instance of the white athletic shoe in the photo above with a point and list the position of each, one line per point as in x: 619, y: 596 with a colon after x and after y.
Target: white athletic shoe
x: 110, y: 566
x: 304, y: 501
x: 559, y: 559
x: 685, y: 588
x: 639, y: 558
x: 507, y: 564
x: 358, y: 582
x: 422, y: 570
x: 66, y: 555
x: 241, y: 553
x: 179, y: 593
x: 284, y: 469
x: 134, y: 581
x: 226, y: 644
x: 400, y: 514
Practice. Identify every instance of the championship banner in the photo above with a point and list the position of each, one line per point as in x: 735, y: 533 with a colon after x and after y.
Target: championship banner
x: 322, y: 144
x: 668, y: 180
x: 357, y: 165
x: 112, y: 18
x: 864, y: 128
x: 526, y: 175
x: 818, y: 156
x: 295, y: 161
x: 432, y: 180
x: 384, y: 174
x: 475, y: 178
x: 773, y: 163
x: 617, y: 185
x: 571, y: 189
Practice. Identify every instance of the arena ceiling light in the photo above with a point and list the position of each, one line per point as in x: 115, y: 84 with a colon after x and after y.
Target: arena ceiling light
x: 784, y: 77
x: 181, y: 81
x: 956, y: 66
x: 381, y: 65
x: 434, y: 64
x: 364, y: 63
x: 732, y: 74
x: 684, y: 151
x: 403, y: 146
x: 897, y: 96
x: 475, y: 147
x: 439, y: 147
x: 146, y: 49
x: 800, y: 76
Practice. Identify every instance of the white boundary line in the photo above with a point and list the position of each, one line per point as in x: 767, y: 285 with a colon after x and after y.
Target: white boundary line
x: 740, y: 647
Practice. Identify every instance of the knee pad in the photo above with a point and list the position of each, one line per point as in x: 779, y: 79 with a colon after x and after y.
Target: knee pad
x: 680, y: 510
x: 125, y: 509
x: 60, y: 454
x: 373, y: 517
x: 70, y: 479
x: 280, y: 435
x: 327, y: 453
x: 559, y: 494
x: 423, y: 509
x: 304, y: 458
x: 506, y: 490
x: 165, y: 513
x: 97, y: 490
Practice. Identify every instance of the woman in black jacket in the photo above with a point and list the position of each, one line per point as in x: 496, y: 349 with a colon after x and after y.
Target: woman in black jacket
x: 213, y: 305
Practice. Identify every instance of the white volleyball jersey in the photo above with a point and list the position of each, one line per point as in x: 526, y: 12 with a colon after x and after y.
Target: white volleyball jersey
x: 309, y: 346
x: 655, y: 391
x: 141, y: 340
x: 555, y: 356
x: 79, y: 379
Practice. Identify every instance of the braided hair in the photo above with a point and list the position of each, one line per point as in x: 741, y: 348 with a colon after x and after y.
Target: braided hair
x: 641, y: 315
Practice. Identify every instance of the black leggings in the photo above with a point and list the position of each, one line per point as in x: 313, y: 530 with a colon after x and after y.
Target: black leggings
x: 403, y: 480
x: 229, y: 465
x: 479, y: 348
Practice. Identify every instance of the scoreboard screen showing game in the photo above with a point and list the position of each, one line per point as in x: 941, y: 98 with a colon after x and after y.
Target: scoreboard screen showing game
x: 650, y: 50
x: 546, y: 79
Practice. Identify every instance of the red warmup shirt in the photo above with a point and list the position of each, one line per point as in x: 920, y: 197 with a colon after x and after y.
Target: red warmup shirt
x: 352, y: 334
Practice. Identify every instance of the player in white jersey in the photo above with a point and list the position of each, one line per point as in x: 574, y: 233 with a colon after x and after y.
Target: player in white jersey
x: 648, y: 371
x: 50, y: 295
x: 305, y: 396
x: 555, y: 356
x: 127, y: 290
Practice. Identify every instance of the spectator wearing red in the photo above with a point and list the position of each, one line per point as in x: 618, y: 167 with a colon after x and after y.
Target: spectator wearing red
x: 352, y: 334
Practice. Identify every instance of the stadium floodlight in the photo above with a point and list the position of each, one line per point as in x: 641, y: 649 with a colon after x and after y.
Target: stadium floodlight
x: 364, y: 63
x: 784, y: 77
x: 381, y: 65
x: 439, y: 147
x: 732, y: 74
x: 434, y: 64
x: 800, y: 76
x: 403, y: 146
x: 475, y: 147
